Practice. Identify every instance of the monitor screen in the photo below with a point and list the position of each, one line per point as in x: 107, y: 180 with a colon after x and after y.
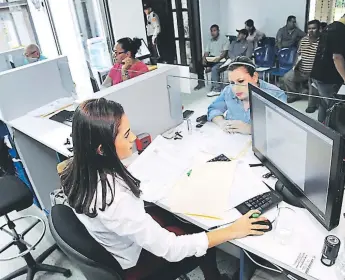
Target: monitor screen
x: 300, y: 152
x: 305, y: 155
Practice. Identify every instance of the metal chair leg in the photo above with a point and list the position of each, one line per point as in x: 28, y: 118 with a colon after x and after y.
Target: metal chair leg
x: 16, y: 273
x: 3, y: 249
x: 46, y: 254
x: 54, y: 269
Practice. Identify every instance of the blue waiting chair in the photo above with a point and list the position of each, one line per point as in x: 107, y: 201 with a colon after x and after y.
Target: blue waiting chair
x: 264, y: 59
x: 286, y: 60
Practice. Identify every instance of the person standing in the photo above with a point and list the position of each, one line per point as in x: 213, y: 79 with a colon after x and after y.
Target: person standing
x: 217, y: 47
x: 328, y: 72
x: 254, y: 35
x: 300, y: 73
x: 153, y: 29
x: 289, y: 35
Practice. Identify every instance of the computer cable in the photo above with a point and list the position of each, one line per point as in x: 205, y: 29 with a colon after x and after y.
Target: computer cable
x: 278, y: 270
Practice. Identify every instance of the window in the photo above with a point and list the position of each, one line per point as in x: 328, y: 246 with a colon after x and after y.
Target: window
x: 16, y: 28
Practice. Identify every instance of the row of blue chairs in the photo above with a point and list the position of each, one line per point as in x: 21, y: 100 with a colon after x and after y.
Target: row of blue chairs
x: 271, y: 62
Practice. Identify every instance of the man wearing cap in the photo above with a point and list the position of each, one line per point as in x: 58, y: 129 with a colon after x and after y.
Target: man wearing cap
x: 241, y: 47
x: 153, y: 29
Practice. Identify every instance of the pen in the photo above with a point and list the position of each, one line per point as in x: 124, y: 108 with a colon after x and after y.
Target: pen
x: 203, y: 216
x: 216, y: 227
x: 255, y: 165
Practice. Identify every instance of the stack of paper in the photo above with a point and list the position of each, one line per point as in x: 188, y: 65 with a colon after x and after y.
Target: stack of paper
x: 205, y: 192
x: 161, y: 165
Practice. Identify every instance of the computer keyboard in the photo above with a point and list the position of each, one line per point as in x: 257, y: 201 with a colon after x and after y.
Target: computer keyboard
x: 262, y: 202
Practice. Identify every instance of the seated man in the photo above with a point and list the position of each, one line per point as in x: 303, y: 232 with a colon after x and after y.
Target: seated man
x: 217, y: 47
x: 234, y: 99
x: 33, y: 54
x: 241, y: 47
x: 289, y: 35
x: 300, y: 73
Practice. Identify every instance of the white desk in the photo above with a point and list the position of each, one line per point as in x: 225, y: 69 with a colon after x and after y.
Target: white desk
x: 308, y: 234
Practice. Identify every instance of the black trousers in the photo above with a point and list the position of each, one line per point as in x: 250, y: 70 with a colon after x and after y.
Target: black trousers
x: 154, y: 49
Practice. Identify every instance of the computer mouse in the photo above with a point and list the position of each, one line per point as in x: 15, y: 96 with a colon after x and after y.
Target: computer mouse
x: 264, y: 223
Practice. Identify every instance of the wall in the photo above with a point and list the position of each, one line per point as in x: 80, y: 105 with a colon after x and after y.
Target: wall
x: 67, y: 30
x: 268, y: 15
x: 43, y: 31
x: 127, y: 19
x: 210, y: 13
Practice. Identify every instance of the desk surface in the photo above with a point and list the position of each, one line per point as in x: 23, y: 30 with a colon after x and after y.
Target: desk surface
x: 308, y: 235
x: 50, y: 133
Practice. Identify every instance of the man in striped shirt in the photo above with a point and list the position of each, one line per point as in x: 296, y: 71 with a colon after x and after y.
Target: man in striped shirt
x: 299, y: 75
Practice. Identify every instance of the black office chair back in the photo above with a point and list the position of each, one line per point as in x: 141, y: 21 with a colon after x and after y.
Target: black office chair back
x: 74, y: 240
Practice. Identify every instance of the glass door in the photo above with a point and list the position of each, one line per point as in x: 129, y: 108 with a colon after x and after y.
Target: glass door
x: 92, y: 30
x: 187, y: 31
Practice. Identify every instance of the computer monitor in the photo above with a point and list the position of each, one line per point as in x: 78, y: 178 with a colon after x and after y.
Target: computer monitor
x: 306, y: 156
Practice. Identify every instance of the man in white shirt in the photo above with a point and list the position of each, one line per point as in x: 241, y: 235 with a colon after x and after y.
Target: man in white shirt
x: 217, y: 47
x: 153, y: 29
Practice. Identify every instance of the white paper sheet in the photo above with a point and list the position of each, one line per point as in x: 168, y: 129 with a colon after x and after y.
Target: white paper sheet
x: 206, y: 191
x: 52, y: 107
x: 342, y: 90
x: 161, y: 165
x: 246, y: 185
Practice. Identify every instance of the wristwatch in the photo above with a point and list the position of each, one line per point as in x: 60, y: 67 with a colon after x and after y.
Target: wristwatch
x: 126, y: 74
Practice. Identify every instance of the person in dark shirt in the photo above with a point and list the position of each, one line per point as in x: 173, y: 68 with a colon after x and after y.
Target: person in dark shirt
x: 328, y: 72
x: 289, y: 35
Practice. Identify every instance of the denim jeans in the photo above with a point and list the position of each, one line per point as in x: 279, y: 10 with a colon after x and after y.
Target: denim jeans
x: 215, y: 77
x: 328, y: 91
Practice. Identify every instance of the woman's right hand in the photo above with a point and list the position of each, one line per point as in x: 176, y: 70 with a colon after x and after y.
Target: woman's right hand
x: 244, y: 226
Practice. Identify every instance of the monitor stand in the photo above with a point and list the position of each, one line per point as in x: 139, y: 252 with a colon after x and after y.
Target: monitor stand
x: 288, y: 196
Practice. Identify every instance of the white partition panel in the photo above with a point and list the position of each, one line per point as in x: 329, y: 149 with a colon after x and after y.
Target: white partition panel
x: 32, y: 86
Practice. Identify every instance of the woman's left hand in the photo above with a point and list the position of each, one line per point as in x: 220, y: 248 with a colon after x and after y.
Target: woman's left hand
x: 128, y: 62
x: 240, y: 127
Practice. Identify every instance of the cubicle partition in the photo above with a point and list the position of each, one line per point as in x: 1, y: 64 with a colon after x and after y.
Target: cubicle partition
x: 15, y: 56
x: 34, y: 85
x: 148, y: 103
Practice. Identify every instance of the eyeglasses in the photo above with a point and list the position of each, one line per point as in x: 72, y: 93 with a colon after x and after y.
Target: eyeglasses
x: 117, y: 53
x: 31, y: 53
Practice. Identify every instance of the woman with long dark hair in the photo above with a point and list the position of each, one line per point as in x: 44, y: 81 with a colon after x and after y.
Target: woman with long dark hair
x: 106, y: 199
x: 126, y: 65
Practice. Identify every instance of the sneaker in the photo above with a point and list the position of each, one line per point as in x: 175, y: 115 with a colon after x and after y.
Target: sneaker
x: 292, y: 99
x: 199, y: 86
x: 310, y: 110
x: 213, y: 93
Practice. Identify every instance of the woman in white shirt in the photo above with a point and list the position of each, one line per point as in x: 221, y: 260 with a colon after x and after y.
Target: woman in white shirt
x: 106, y: 199
x: 254, y: 35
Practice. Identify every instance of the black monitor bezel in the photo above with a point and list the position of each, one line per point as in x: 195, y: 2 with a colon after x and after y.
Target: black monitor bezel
x: 329, y: 219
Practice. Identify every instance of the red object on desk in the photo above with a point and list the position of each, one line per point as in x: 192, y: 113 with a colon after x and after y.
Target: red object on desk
x: 142, y: 141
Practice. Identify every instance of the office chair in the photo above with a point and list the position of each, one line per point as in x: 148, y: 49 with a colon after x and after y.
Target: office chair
x: 93, y: 259
x: 286, y: 60
x: 264, y: 58
x: 15, y: 196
